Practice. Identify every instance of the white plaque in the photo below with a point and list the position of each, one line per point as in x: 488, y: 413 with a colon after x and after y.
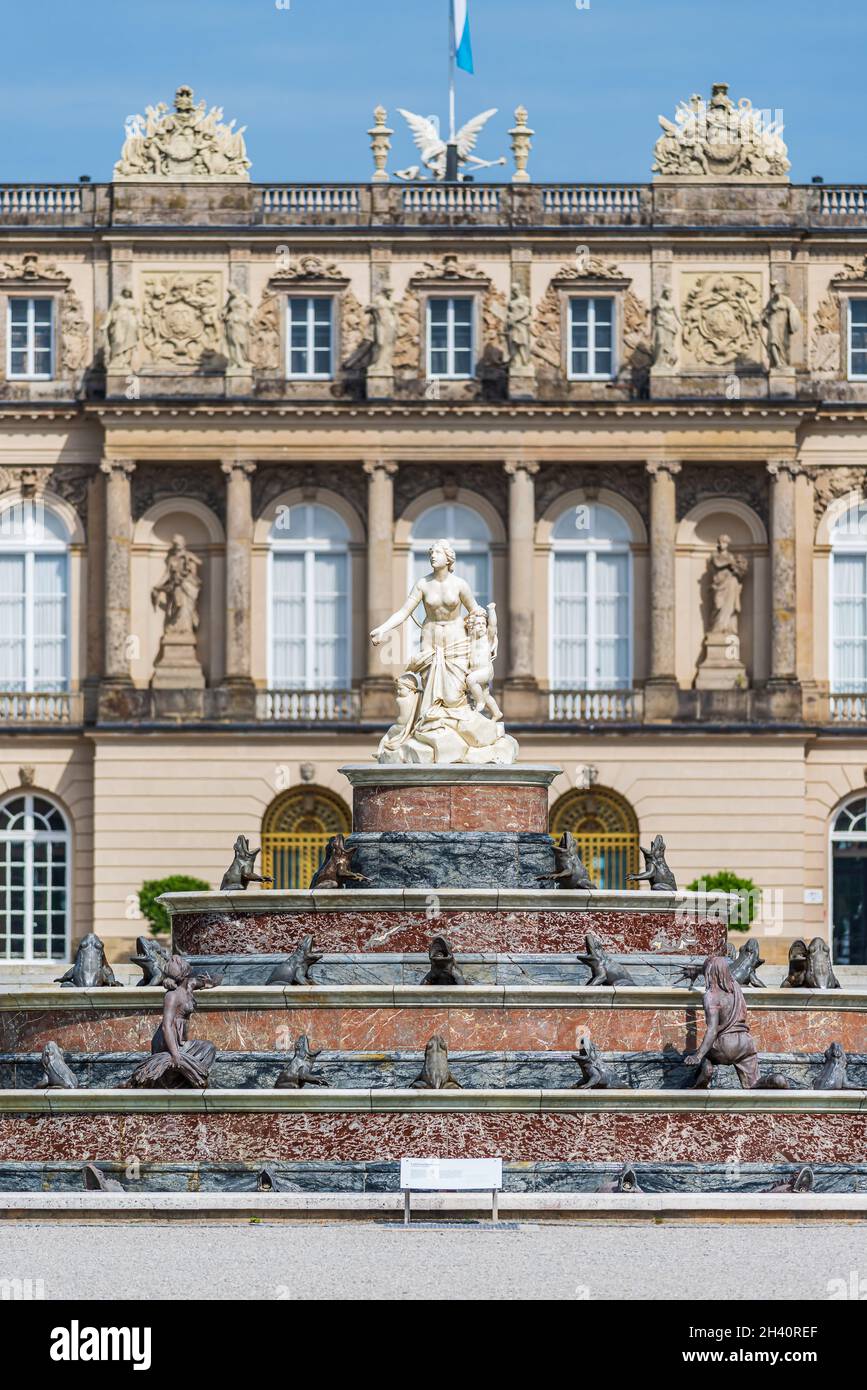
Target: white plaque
x: 451, y: 1174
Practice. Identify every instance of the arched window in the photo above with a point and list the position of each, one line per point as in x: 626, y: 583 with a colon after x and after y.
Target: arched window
x: 606, y: 829
x: 591, y: 585
x: 849, y: 883
x: 34, y: 608
x: 310, y: 600
x: 849, y: 601
x: 34, y: 880
x: 295, y: 831
x: 469, y: 534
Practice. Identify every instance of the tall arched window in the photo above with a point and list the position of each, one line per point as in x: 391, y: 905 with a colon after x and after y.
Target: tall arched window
x: 849, y: 601
x: 849, y: 883
x: 310, y: 599
x: 34, y: 589
x: 34, y: 880
x: 591, y: 585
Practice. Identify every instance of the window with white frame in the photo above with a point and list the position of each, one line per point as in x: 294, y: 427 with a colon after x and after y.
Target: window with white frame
x: 34, y: 603
x: 310, y: 602
x: 849, y: 601
x: 30, y: 338
x: 34, y: 880
x: 857, y: 338
x: 309, y: 336
x: 591, y: 338
x: 591, y: 612
x: 450, y: 348
x: 470, y: 537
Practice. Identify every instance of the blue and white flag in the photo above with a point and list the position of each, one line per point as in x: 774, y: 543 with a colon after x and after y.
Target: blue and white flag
x: 463, y: 46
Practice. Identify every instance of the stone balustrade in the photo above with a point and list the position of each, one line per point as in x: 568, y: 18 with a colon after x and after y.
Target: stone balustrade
x: 396, y: 203
x: 307, y: 706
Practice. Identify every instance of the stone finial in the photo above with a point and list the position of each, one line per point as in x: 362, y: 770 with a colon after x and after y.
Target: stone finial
x: 521, y: 137
x: 380, y: 143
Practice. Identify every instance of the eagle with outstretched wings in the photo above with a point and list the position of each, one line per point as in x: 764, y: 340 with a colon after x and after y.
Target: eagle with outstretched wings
x: 432, y: 147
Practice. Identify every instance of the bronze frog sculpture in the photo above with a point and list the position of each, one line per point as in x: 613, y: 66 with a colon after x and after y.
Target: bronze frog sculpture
x: 90, y: 969
x: 299, y: 1070
x: 435, y: 1074
x: 570, y: 871
x: 603, y: 970
x: 594, y: 1077
x: 810, y: 966
x: 656, y: 871
x: 336, y: 870
x: 56, y: 1073
x: 241, y: 872
x: 745, y: 963
x: 294, y: 970
x: 443, y: 969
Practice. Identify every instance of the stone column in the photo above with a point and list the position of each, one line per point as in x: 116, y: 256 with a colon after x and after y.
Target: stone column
x: 783, y: 689
x: 660, y: 697
x: 521, y: 695
x: 378, y: 687
x: 118, y: 545
x: 239, y: 539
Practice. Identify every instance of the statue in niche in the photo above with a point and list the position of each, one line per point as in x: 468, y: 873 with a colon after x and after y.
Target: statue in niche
x: 443, y: 720
x: 177, y: 593
x: 175, y: 1063
x: 666, y: 326
x: 727, y: 573
x: 237, y: 312
x: 782, y: 321
x: 519, y: 330
x: 383, y: 317
x: 121, y: 332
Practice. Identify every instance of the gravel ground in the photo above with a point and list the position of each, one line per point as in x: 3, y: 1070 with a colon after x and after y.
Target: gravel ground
x: 365, y: 1261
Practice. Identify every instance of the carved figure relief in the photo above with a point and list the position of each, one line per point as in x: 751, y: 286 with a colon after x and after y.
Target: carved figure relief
x: 720, y: 140
x: 181, y: 318
x: 236, y: 327
x: 121, y: 332
x: 827, y: 335
x: 189, y: 142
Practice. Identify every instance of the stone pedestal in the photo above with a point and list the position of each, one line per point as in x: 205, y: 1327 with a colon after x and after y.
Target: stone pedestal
x: 718, y: 669
x: 462, y: 798
x: 177, y: 665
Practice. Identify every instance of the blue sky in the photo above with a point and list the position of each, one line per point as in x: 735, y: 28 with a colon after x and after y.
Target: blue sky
x: 304, y: 80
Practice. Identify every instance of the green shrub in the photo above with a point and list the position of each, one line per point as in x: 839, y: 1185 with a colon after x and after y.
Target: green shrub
x: 724, y: 881
x: 150, y: 891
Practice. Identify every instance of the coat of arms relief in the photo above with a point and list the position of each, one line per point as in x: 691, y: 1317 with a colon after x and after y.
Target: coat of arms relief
x: 188, y: 142
x: 181, y: 318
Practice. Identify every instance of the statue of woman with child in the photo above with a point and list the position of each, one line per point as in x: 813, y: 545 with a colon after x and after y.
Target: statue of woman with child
x: 446, y: 709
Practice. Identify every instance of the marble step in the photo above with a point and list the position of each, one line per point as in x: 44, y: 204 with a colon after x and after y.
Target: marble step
x: 375, y: 1177
x: 478, y: 968
x: 397, y: 1070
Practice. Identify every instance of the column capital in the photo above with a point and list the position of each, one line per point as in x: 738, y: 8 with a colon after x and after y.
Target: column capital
x: 790, y: 468
x: 372, y: 466
x: 656, y: 466
x: 109, y: 465
x: 228, y: 466
x: 515, y: 466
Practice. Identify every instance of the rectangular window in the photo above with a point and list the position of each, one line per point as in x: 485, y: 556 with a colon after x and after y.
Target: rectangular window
x: 310, y: 597
x: 591, y: 338
x: 849, y: 624
x: 857, y: 338
x: 590, y: 621
x: 30, y: 337
x: 450, y: 338
x: 309, y: 337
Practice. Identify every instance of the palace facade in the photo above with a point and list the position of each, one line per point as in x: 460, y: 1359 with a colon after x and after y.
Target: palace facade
x: 639, y: 412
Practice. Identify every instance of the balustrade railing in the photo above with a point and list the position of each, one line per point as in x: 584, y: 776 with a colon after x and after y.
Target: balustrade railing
x: 39, y: 707
x: 594, y: 706
x: 848, y: 709
x: 39, y: 200
x: 569, y: 200
x: 312, y: 200
x: 308, y: 706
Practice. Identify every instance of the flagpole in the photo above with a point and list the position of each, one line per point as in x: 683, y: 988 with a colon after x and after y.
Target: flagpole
x: 452, y: 56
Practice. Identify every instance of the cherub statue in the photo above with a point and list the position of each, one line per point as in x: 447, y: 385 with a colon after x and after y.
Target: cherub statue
x: 481, y: 629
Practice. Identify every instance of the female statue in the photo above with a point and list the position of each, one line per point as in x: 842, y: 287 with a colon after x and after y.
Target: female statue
x: 178, y: 591
x: 727, y: 582
x: 439, y: 721
x: 174, y: 1062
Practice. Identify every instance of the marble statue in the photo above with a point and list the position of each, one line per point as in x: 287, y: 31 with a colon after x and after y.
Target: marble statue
x: 727, y: 581
x: 666, y: 325
x: 433, y: 148
x: 781, y: 320
x: 237, y: 312
x: 383, y: 316
x: 717, y: 139
x: 177, y: 593
x: 446, y: 712
x: 520, y: 322
x: 121, y: 332
x: 190, y: 142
